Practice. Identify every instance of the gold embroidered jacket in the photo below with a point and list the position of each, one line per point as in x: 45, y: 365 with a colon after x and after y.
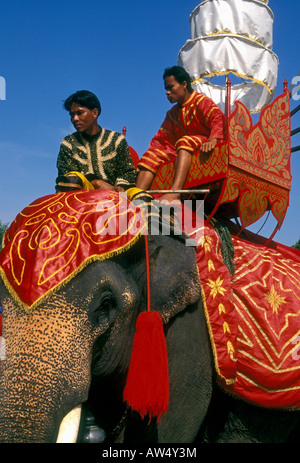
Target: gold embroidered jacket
x: 103, y: 156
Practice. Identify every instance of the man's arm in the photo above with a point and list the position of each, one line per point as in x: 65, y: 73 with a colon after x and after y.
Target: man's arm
x: 215, y: 120
x: 126, y: 172
x: 65, y: 160
x: 209, y: 145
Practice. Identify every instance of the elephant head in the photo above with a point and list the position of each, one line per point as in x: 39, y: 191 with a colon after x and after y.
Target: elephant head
x: 69, y: 340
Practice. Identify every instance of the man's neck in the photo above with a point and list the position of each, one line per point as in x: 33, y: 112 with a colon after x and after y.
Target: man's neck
x: 92, y: 131
x: 186, y: 99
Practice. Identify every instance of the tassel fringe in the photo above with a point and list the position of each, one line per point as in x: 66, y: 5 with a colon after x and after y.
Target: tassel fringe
x: 147, y: 387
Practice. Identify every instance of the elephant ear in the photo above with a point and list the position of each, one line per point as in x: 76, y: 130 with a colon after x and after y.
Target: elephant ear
x: 175, y: 282
x: 174, y: 277
x: 170, y: 288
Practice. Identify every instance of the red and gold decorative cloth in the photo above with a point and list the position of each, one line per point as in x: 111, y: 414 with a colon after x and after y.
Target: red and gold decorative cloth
x: 259, y: 161
x: 185, y: 127
x: 250, y: 170
x: 254, y: 319
x: 56, y: 236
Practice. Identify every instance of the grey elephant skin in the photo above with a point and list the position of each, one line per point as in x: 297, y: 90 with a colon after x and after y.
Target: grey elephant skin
x: 76, y: 347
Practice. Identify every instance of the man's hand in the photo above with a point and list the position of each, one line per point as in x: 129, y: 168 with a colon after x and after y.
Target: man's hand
x: 209, y: 145
x: 119, y: 189
x: 102, y: 185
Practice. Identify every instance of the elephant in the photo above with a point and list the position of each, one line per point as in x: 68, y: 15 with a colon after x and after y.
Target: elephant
x: 75, y: 346
x: 234, y: 421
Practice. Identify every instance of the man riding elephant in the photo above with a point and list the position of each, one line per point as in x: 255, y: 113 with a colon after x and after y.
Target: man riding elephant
x: 92, y: 157
x: 194, y: 123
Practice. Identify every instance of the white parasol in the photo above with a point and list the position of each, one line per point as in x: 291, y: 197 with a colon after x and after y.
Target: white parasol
x: 232, y: 36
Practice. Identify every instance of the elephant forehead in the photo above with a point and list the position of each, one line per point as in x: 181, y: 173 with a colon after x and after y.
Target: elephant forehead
x: 56, y: 236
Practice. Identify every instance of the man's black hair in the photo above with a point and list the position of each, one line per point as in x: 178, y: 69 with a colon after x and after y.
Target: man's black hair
x: 83, y: 98
x: 180, y: 75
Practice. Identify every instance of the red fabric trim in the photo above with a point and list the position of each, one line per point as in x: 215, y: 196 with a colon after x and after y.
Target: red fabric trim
x: 253, y: 318
x: 57, y: 235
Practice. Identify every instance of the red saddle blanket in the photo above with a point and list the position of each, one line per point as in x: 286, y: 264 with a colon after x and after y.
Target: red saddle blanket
x: 254, y: 319
x: 56, y: 236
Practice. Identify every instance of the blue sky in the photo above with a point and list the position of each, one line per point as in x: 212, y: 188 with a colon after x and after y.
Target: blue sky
x: 118, y: 50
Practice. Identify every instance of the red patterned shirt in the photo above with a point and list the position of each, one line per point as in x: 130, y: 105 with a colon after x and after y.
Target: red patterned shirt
x: 185, y: 127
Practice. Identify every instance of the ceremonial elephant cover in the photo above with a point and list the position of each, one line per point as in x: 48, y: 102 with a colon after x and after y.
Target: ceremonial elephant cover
x: 254, y: 319
x: 53, y: 238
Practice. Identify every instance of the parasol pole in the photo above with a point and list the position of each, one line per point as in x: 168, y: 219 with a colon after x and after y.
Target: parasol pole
x: 228, y: 103
x: 163, y: 192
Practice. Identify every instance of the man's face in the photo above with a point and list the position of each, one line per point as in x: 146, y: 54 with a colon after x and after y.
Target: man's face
x: 84, y: 119
x: 176, y: 92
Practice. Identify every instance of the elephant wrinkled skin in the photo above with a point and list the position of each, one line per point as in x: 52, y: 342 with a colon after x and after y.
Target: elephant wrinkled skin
x: 76, y: 346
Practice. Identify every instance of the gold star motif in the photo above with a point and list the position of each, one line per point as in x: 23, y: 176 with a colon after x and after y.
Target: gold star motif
x: 275, y: 300
x: 216, y: 287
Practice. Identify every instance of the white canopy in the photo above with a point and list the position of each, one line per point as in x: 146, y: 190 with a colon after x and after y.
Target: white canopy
x: 232, y: 36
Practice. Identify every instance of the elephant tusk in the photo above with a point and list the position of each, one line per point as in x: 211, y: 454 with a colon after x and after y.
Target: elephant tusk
x: 2, y: 348
x: 69, y: 427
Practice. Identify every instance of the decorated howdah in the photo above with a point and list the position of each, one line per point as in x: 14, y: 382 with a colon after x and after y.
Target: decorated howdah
x: 249, y: 172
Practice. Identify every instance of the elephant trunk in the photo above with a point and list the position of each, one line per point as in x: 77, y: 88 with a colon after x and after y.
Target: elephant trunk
x: 25, y: 427
x: 31, y: 411
x: 45, y: 374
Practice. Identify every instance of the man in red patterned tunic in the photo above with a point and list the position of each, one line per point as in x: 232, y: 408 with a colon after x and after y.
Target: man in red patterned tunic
x: 194, y: 124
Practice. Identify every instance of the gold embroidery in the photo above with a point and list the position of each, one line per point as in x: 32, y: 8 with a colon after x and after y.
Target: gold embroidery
x: 226, y: 328
x: 207, y: 241
x: 211, y: 265
x: 230, y: 349
x: 274, y: 299
x: 286, y: 389
x: 210, y: 112
x: 46, y: 250
x: 216, y: 287
x: 222, y: 309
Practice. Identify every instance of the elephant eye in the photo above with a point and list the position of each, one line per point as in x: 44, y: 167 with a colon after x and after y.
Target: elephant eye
x: 108, y: 303
x: 104, y: 311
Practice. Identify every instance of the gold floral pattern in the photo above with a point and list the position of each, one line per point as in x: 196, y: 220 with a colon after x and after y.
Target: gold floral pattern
x: 253, y: 320
x: 216, y: 287
x: 274, y: 299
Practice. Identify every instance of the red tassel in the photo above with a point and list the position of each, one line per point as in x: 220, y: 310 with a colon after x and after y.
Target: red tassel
x: 147, y: 387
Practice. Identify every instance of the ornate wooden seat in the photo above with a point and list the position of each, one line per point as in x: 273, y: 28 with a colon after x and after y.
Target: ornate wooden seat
x: 249, y: 173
